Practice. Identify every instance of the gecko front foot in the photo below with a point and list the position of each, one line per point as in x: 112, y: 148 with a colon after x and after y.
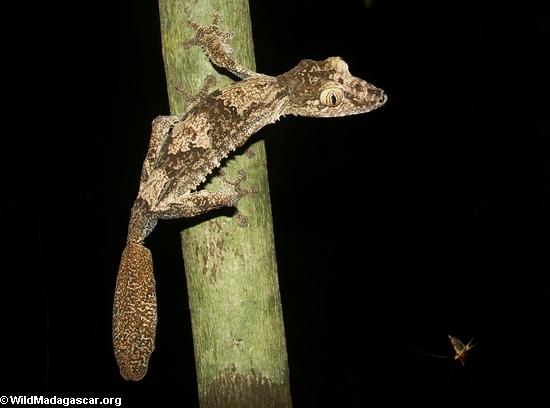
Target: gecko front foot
x: 215, y: 43
x: 210, y: 36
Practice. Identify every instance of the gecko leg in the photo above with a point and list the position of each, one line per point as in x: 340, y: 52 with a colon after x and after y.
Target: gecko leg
x: 199, y: 202
x: 214, y: 42
x: 192, y: 204
x: 161, y: 125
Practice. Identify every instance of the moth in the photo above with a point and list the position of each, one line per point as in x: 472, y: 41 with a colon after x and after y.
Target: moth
x: 461, y: 349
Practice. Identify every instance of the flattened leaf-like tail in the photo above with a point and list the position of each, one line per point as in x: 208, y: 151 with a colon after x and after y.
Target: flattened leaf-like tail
x: 134, y: 312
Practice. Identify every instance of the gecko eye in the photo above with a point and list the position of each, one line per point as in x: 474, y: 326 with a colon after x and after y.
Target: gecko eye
x: 331, y: 97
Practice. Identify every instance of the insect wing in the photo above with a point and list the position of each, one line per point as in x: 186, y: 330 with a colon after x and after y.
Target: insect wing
x: 460, y: 349
x: 458, y: 346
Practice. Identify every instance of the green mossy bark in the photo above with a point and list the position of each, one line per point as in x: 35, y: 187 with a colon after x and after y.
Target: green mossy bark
x: 234, y: 298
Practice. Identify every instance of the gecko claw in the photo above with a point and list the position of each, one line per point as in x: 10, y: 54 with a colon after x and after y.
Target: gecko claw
x: 241, y: 176
x: 216, y: 18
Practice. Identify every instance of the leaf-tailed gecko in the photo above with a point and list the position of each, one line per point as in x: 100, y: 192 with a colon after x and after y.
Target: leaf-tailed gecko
x: 185, y: 149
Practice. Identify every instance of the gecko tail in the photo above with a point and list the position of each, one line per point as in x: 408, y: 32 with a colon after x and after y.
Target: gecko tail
x: 134, y: 312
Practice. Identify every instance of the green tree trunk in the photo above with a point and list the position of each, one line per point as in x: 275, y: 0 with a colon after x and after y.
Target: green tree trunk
x: 236, y: 313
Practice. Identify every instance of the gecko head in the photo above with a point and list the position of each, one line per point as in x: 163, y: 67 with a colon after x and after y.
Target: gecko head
x: 327, y: 89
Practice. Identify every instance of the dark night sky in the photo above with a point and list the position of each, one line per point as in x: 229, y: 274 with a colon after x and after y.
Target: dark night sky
x: 431, y: 224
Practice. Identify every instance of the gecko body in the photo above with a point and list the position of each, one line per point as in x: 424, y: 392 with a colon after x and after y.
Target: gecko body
x: 183, y: 152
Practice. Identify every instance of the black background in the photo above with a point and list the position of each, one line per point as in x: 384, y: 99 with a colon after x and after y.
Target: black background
x: 393, y: 229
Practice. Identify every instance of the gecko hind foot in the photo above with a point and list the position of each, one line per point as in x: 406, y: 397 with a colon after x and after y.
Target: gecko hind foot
x: 235, y: 189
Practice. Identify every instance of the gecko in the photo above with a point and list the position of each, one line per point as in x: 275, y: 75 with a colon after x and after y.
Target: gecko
x: 185, y: 149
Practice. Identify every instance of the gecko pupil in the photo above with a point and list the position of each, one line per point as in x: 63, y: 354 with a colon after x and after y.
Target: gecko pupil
x: 333, y: 99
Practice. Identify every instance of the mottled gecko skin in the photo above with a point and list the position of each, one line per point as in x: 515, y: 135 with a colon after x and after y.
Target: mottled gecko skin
x: 135, y: 309
x: 185, y: 149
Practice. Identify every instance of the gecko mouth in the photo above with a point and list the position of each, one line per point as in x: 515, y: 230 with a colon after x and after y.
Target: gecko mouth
x: 378, y: 97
